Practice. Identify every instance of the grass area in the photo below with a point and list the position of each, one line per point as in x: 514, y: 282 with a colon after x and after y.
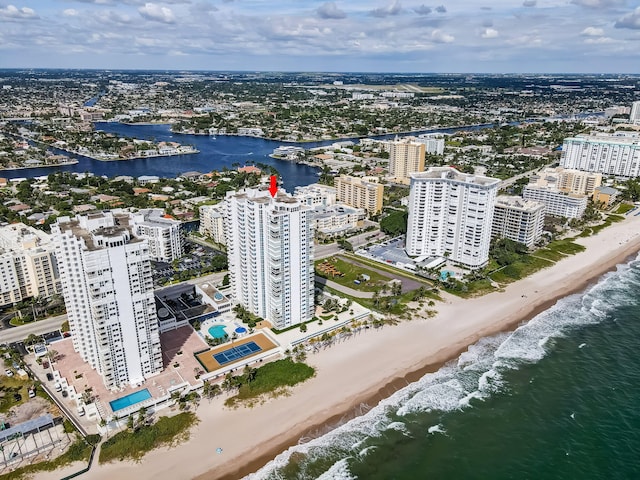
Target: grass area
x: 587, y: 232
x: 134, y: 445
x: 566, y: 246
x: 352, y: 272
x: 10, y: 386
x: 395, y: 272
x: 520, y: 269
x: 554, y: 256
x: 475, y: 288
x: 272, y: 378
x: 78, y: 451
x: 624, y: 208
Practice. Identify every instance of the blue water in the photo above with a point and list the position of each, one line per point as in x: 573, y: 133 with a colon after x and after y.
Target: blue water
x: 224, y: 151
x: 217, y: 331
x: 128, y: 400
x: 555, y: 399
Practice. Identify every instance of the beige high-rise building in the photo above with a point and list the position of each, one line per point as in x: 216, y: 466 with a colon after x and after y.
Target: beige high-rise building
x: 406, y: 156
x: 359, y: 192
x: 27, y: 264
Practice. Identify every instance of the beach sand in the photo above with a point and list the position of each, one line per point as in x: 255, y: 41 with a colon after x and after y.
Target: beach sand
x: 366, y: 368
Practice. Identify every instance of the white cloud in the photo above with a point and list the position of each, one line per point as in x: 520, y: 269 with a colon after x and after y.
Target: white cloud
x: 630, y: 20
x: 11, y: 11
x: 438, y: 36
x: 70, y: 12
x: 599, y: 40
x: 330, y: 10
x: 393, y: 9
x: 152, y: 11
x: 592, y: 32
x: 529, y: 3
x: 489, y: 33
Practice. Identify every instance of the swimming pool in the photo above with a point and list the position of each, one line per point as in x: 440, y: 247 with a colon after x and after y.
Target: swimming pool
x: 128, y: 400
x: 217, y: 331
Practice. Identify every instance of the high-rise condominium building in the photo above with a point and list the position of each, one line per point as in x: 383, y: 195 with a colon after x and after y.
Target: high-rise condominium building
x: 358, y: 192
x: 212, y: 222
x: 434, y: 143
x: 617, y: 154
x: 634, y: 117
x: 405, y: 157
x: 450, y: 215
x: 518, y: 220
x: 108, y: 290
x: 27, y: 264
x: 316, y: 195
x: 560, y: 204
x: 163, y: 234
x: 270, y: 251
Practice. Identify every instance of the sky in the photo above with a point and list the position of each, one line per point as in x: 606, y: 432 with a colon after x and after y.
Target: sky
x: 499, y: 36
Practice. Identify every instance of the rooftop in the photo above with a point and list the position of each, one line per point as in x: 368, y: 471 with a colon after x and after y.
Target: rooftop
x: 450, y: 173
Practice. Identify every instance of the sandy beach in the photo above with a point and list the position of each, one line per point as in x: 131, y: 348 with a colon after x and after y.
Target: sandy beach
x: 366, y: 368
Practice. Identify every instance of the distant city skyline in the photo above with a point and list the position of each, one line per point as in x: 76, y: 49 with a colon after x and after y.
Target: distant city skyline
x: 511, y: 36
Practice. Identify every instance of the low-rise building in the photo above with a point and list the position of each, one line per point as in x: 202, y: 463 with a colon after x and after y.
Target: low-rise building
x: 337, y: 219
x: 605, y: 195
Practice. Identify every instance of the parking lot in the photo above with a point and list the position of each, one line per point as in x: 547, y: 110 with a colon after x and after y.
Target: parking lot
x: 197, y: 258
x: 391, y: 252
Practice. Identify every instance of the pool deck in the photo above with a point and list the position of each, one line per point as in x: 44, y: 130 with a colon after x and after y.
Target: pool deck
x: 179, y: 366
x: 210, y: 363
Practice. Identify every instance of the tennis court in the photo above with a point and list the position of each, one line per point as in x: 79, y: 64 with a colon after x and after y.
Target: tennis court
x: 228, y: 353
x: 236, y: 353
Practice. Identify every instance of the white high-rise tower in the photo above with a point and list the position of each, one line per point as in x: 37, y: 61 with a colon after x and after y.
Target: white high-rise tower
x: 108, y: 290
x: 634, y: 117
x: 450, y: 215
x: 270, y: 251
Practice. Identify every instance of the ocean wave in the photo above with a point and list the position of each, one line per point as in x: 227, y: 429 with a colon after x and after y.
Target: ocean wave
x: 477, y: 374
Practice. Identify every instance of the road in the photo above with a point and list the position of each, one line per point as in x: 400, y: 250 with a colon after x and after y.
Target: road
x: 52, y: 324
x: 343, y: 289
x: 40, y: 327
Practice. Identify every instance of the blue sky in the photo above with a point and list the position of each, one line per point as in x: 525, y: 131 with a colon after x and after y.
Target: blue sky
x: 583, y: 36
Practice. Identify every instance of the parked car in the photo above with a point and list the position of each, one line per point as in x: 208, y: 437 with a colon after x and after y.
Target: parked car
x: 49, y: 376
x: 65, y: 394
x: 32, y: 392
x: 45, y: 364
x: 8, y: 373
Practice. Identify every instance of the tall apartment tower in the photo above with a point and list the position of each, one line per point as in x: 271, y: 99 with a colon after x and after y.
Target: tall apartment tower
x: 450, y: 215
x: 405, y: 157
x: 27, y: 264
x: 518, y: 219
x: 359, y: 192
x: 634, y: 117
x: 270, y: 251
x: 108, y: 290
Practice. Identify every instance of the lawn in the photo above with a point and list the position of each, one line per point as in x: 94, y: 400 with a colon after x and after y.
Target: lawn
x: 134, y: 445
x: 624, y: 208
x: 520, y: 269
x: 272, y: 378
x: 352, y: 272
x: 9, y: 386
x: 567, y: 246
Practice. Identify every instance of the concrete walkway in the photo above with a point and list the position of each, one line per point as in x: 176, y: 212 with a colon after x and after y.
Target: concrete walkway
x: 346, y: 290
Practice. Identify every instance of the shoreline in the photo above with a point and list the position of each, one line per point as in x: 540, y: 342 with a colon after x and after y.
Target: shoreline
x: 48, y: 165
x: 442, y: 357
x: 369, y: 367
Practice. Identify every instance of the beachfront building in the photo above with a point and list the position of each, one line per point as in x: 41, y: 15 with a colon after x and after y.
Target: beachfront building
x: 270, y: 252
x: 316, y: 195
x: 360, y: 192
x: 606, y: 196
x: 568, y: 180
x: 617, y: 154
x: 27, y: 264
x: 518, y: 219
x: 406, y: 156
x: 108, y: 290
x: 163, y: 234
x: 212, y: 222
x: 560, y: 204
x: 450, y: 215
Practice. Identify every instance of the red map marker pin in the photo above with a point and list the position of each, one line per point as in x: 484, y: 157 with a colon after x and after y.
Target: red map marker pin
x: 273, y: 188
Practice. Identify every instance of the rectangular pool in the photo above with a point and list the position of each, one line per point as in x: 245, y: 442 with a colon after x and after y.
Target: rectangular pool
x: 128, y: 400
x: 236, y: 353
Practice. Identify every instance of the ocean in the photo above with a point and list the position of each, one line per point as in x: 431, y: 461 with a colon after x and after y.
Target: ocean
x: 558, y: 397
